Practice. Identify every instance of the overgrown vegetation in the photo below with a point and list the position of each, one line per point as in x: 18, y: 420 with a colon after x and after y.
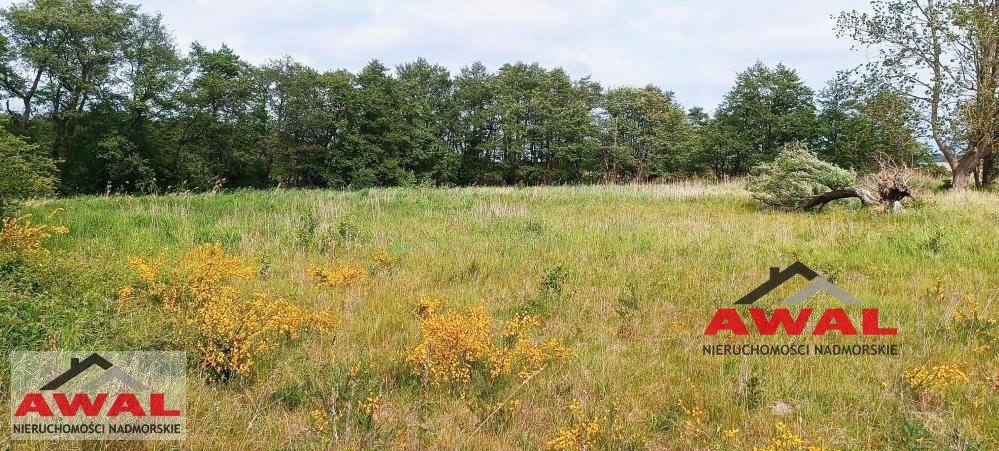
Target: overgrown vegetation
x: 139, y: 115
x: 25, y: 171
x: 795, y: 175
x: 623, y: 278
x: 202, y: 295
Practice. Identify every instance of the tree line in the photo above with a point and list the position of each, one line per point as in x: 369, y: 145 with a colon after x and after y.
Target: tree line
x: 99, y: 91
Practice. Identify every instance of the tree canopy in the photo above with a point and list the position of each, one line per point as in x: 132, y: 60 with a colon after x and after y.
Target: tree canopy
x: 100, y: 88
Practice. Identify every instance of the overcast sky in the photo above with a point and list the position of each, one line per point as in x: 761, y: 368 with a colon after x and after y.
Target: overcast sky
x: 691, y: 47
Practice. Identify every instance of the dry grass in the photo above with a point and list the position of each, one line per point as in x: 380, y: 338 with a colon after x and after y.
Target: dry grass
x: 642, y: 269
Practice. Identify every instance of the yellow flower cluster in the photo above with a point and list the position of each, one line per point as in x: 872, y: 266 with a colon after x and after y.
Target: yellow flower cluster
x: 454, y: 342
x: 342, y: 276
x: 589, y: 431
x: 381, y: 256
x: 972, y: 319
x: 505, y: 409
x: 427, y: 306
x: 371, y: 404
x: 22, y: 237
x: 695, y: 420
x: 233, y: 330
x: 203, y: 291
x: 319, y: 421
x: 520, y: 354
x: 581, y: 436
x: 785, y: 439
x: 936, y: 378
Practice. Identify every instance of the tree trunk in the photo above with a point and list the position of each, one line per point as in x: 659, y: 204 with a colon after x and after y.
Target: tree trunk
x: 821, y: 199
x: 989, y: 169
x: 960, y: 179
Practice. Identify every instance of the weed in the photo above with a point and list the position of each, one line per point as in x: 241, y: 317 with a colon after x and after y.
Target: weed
x: 604, y: 430
x: 752, y: 392
x: 307, y: 224
x: 971, y: 321
x: 935, y: 378
x: 937, y: 241
x: 551, y: 285
x: 784, y: 439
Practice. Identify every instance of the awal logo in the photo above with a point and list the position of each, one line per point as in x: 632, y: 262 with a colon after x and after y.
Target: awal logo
x: 107, y: 395
x: 831, y: 319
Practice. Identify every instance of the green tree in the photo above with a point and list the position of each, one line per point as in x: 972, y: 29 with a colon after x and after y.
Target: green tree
x: 645, y: 135
x: 796, y: 173
x: 765, y: 110
x: 477, y: 127
x: 81, y: 47
x: 545, y: 124
x: 376, y: 156
x: 99, y: 63
x: 941, y: 54
x: 431, y: 116
x: 220, y: 122
x: 860, y: 123
x: 309, y: 113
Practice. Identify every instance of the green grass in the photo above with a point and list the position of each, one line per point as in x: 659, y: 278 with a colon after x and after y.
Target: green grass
x: 644, y: 268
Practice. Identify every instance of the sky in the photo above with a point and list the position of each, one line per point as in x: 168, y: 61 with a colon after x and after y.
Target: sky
x: 693, y: 48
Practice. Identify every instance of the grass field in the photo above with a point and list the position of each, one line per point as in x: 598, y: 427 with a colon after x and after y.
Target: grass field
x: 625, y: 278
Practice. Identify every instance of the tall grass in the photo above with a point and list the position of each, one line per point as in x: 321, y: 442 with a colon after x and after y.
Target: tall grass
x: 639, y: 270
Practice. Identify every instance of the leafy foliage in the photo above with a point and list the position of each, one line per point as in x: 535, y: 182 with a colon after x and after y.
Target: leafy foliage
x: 25, y: 171
x: 765, y: 110
x: 795, y: 174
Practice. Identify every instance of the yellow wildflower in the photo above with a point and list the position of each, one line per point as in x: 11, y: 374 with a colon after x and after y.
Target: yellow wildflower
x: 204, y: 292
x: 381, y: 256
x: 936, y: 378
x: 22, y: 237
x: 371, y: 404
x: 342, y: 276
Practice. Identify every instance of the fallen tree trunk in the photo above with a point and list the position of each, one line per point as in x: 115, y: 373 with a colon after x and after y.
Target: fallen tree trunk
x: 845, y: 193
x: 889, y: 197
x: 890, y: 185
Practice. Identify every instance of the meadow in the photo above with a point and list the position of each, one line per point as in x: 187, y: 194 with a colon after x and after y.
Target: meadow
x: 527, y: 318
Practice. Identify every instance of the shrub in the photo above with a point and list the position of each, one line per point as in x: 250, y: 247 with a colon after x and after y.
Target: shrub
x: 971, y: 321
x: 592, y: 430
x: 21, y: 237
x: 794, y: 175
x: 456, y: 343
x: 26, y: 171
x: 936, y: 378
x: 382, y: 257
x: 521, y: 355
x: 785, y: 439
x: 342, y: 276
x: 453, y: 341
x: 204, y: 293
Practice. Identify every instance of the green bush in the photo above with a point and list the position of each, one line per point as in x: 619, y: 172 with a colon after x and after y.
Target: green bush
x: 795, y: 174
x: 26, y: 171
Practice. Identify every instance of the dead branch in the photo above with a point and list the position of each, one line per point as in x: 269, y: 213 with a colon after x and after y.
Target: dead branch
x: 890, y: 183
